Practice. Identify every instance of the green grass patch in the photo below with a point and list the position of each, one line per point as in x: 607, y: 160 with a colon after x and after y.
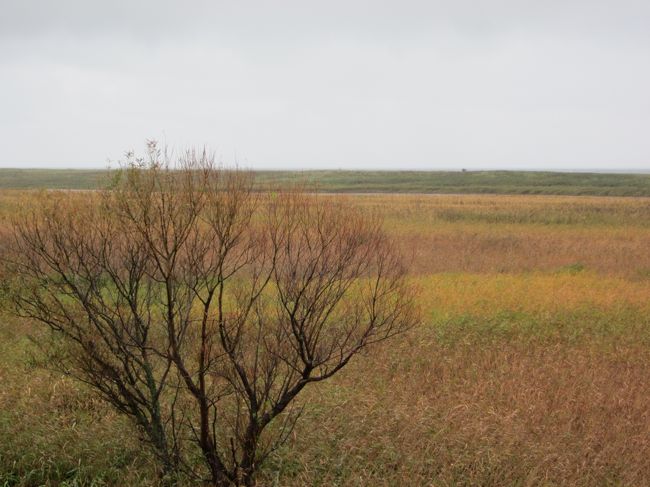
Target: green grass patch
x: 468, y: 182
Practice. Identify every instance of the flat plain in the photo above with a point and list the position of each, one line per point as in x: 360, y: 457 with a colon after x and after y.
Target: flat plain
x: 347, y: 181
x: 532, y: 365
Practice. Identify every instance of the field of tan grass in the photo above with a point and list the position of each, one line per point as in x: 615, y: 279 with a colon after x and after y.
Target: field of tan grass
x: 532, y: 366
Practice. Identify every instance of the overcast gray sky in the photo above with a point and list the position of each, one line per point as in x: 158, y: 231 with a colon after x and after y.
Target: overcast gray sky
x: 513, y: 84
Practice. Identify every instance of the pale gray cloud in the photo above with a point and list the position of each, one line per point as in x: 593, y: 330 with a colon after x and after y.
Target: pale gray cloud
x: 300, y: 84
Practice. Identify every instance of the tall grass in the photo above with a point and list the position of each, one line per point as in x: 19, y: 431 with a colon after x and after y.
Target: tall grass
x: 532, y: 368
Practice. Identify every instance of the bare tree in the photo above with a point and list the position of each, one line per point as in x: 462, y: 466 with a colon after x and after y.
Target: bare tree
x: 201, y: 308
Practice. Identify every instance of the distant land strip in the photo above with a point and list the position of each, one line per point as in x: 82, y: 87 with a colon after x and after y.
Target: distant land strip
x: 343, y: 181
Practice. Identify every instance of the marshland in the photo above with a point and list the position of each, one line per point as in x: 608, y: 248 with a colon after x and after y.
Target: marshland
x: 530, y: 364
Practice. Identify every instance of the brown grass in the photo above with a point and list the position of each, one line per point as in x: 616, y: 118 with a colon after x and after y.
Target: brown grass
x: 515, y: 413
x: 492, y: 234
x: 533, y: 366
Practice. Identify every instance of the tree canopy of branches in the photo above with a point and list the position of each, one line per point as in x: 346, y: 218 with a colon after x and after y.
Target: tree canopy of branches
x: 201, y: 307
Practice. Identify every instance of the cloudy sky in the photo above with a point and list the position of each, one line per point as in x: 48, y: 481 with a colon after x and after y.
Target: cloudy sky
x: 512, y: 84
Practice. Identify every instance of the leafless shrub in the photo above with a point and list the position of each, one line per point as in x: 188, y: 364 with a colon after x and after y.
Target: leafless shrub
x: 201, y: 308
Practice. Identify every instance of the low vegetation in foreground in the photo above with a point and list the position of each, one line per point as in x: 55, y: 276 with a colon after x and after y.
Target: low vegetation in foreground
x: 531, y: 366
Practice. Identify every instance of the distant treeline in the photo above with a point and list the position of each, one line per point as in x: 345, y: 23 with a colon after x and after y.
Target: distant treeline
x: 465, y: 182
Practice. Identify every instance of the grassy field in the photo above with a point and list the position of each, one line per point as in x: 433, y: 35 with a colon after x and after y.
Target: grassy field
x: 532, y: 366
x: 470, y: 182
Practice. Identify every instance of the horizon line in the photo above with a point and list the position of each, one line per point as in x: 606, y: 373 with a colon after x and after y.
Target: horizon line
x: 357, y: 169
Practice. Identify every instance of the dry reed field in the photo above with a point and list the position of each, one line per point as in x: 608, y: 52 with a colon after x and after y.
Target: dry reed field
x: 532, y: 365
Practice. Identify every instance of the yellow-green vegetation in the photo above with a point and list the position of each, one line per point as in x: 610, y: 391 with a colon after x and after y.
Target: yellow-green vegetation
x: 532, y: 366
